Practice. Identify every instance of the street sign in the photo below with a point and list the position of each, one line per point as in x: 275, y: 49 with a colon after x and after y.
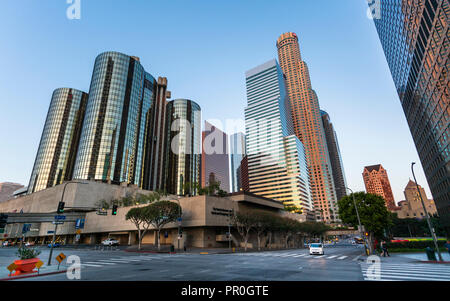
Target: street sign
x: 39, y: 264
x: 60, y: 257
x: 12, y: 267
x: 179, y: 219
x: 50, y: 232
x: 60, y: 217
x: 80, y: 223
x: 58, y: 223
x: 77, y: 237
x: 102, y: 212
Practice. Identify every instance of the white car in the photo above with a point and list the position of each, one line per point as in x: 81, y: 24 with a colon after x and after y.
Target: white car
x: 110, y: 242
x: 316, y: 248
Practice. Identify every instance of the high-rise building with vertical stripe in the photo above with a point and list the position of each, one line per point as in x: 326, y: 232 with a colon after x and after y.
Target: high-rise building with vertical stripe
x: 308, y: 126
x: 335, y: 156
x: 277, y: 167
x: 415, y: 36
x: 57, y: 151
x: 115, y: 129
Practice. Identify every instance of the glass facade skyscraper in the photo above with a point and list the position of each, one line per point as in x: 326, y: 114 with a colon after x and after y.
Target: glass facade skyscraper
x: 182, y: 158
x: 415, y: 39
x: 112, y: 144
x: 237, y: 153
x: 56, y: 155
x: 335, y: 156
x: 308, y: 126
x: 277, y: 167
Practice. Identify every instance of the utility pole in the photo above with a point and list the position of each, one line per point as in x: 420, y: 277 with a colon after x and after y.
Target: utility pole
x: 359, y: 222
x: 430, y: 226
x: 56, y: 225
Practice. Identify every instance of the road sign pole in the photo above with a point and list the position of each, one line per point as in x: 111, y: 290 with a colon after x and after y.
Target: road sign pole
x: 51, y: 246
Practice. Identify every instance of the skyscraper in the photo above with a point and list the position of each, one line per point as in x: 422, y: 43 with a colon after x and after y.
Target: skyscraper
x: 113, y: 137
x: 237, y: 153
x: 277, y: 166
x: 182, y: 147
x: 415, y: 39
x: 57, y: 151
x: 308, y: 126
x: 376, y: 181
x: 335, y: 156
x: 215, y: 160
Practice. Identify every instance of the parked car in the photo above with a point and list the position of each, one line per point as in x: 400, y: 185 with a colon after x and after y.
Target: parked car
x: 29, y: 244
x: 110, y: 242
x: 316, y: 248
x: 6, y: 243
x: 55, y: 245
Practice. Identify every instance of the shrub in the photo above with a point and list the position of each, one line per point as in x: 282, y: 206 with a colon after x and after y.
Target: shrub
x: 25, y: 253
x: 423, y: 244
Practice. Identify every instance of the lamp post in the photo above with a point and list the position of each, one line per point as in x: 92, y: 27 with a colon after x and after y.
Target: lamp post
x: 56, y: 225
x: 359, y: 219
x: 430, y: 226
x: 179, y: 223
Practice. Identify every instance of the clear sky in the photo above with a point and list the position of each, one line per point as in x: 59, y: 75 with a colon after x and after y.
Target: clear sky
x: 204, y: 48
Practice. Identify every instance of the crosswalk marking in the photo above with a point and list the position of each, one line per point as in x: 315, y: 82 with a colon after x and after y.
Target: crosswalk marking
x: 299, y: 255
x: 91, y: 265
x: 399, y: 272
x: 331, y: 257
x: 342, y: 257
x: 96, y: 262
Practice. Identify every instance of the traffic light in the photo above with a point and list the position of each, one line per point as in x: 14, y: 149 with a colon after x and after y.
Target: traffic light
x: 367, y: 233
x: 114, y: 210
x: 3, y: 220
x: 61, y: 207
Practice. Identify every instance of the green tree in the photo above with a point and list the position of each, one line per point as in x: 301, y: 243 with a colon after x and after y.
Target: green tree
x: 373, y: 213
x: 162, y: 213
x: 139, y: 216
x: 244, y: 223
x: 263, y: 221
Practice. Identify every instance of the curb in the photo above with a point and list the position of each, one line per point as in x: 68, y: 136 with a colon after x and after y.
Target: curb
x: 32, y: 276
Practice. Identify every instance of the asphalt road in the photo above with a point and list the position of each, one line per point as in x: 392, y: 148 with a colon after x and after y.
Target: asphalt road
x: 340, y: 263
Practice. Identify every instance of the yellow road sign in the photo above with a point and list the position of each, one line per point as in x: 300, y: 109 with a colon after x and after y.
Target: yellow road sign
x: 39, y: 264
x: 78, y: 231
x: 60, y: 257
x: 12, y: 267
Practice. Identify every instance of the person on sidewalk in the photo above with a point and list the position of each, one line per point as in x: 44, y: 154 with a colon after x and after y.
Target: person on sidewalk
x: 385, y: 250
x: 447, y: 245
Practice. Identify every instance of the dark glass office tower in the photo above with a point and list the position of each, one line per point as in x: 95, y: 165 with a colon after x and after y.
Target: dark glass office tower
x: 337, y: 166
x: 415, y: 39
x: 237, y: 154
x: 112, y: 144
x: 56, y: 155
x: 182, y: 147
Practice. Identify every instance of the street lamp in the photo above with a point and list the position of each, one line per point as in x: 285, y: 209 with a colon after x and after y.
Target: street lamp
x: 359, y: 220
x: 430, y: 226
x: 56, y: 225
x: 179, y: 222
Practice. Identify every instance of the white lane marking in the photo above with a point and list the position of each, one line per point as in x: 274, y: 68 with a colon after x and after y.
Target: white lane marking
x: 342, y: 257
x: 446, y: 274
x: 412, y: 267
x: 204, y: 271
x: 356, y: 258
x: 96, y: 262
x: 299, y: 255
x: 330, y: 257
x: 91, y: 265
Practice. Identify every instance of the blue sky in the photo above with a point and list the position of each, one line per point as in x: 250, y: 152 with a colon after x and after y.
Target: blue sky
x: 204, y: 48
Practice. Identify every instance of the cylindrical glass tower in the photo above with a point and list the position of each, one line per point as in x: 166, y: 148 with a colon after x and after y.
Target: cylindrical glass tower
x: 182, y: 147
x: 112, y: 142
x: 56, y: 155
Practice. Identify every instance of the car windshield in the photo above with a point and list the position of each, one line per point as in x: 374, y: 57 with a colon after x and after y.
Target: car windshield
x: 316, y: 245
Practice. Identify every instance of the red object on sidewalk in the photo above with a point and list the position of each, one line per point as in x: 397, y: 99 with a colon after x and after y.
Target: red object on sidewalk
x: 25, y: 266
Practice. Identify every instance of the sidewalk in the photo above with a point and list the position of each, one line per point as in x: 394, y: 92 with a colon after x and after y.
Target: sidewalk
x: 45, y: 270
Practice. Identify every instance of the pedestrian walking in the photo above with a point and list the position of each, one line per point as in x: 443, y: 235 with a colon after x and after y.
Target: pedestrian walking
x: 447, y: 245
x: 385, y: 250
